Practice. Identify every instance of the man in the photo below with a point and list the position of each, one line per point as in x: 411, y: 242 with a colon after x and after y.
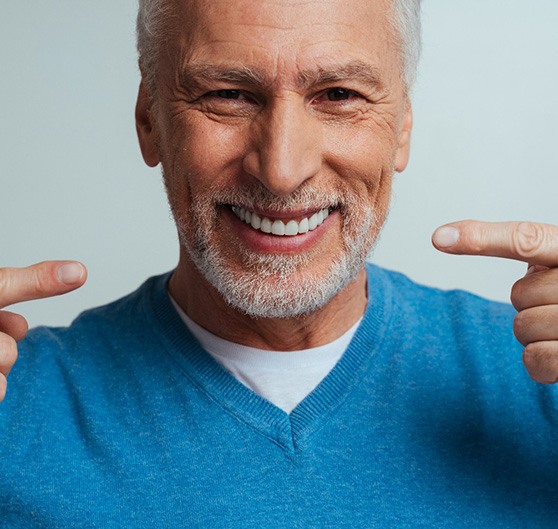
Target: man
x: 278, y: 126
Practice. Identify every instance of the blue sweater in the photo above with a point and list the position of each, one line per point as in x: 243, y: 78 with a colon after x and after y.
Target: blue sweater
x: 428, y: 420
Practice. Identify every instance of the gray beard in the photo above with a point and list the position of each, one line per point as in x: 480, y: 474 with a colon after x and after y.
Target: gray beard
x: 278, y: 286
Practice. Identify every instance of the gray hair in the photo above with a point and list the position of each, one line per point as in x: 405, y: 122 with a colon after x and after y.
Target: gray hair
x: 153, y: 22
x: 407, y: 26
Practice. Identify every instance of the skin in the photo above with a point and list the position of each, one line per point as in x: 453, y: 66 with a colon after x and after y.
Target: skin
x: 281, y: 133
x: 290, y: 138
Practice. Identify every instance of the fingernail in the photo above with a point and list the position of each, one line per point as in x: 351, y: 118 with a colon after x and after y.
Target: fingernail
x: 446, y: 236
x: 70, y: 273
x: 535, y: 268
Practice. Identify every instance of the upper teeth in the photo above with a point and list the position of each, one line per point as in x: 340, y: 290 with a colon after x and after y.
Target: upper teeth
x: 278, y: 227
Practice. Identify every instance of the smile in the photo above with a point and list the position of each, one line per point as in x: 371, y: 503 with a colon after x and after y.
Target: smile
x: 278, y: 227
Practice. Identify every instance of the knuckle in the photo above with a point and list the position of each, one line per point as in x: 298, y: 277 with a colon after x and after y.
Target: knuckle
x: 7, y: 341
x: 517, y: 293
x: 474, y: 235
x: 12, y: 355
x: 520, y: 326
x: 8, y: 352
x: 42, y: 283
x: 541, y: 363
x: 528, y: 237
x: 5, y: 280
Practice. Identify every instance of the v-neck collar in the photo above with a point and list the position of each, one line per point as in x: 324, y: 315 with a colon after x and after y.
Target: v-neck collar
x: 289, y: 431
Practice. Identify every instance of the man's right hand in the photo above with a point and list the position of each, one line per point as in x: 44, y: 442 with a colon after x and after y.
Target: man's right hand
x: 42, y: 280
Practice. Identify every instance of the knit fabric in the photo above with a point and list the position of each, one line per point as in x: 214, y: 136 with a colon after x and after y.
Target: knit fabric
x: 284, y: 378
x: 427, y: 420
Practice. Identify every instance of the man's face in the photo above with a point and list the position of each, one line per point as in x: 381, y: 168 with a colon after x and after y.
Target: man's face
x: 293, y: 112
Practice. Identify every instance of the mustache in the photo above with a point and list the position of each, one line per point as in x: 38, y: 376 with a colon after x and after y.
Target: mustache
x: 305, y: 197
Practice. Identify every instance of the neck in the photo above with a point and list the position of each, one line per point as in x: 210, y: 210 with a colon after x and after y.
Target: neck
x: 207, y: 308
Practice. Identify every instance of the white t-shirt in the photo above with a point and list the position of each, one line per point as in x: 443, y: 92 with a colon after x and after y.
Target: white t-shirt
x: 284, y: 378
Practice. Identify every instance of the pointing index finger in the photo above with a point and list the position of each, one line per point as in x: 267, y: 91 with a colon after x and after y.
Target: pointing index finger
x: 42, y: 280
x: 534, y: 243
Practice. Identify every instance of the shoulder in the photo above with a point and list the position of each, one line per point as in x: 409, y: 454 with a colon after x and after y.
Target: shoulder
x: 121, y: 317
x: 436, y: 305
x: 100, y: 341
x: 448, y: 331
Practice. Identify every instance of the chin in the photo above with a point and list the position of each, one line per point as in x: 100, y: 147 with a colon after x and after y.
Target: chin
x: 278, y: 294
x: 278, y: 286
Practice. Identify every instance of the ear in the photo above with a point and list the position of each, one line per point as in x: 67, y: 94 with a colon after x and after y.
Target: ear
x: 145, y: 128
x: 404, y: 147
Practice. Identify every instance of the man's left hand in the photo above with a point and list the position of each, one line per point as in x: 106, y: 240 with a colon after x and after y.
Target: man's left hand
x: 535, y: 296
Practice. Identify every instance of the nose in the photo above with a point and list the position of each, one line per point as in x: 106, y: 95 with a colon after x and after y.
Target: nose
x: 287, y: 147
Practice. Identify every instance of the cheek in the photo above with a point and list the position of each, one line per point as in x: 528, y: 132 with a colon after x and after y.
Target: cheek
x: 199, y: 156
x: 364, y: 159
x: 365, y: 162
x: 206, y: 147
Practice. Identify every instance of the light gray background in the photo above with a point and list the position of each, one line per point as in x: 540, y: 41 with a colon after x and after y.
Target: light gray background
x: 74, y: 185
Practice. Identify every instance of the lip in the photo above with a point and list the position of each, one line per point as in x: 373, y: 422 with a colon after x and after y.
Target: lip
x: 267, y: 243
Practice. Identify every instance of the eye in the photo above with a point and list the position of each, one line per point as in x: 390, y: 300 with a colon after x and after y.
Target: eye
x: 340, y: 94
x: 226, y: 94
x: 231, y: 102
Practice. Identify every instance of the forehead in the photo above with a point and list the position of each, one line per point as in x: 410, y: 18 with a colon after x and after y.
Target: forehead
x: 284, y: 37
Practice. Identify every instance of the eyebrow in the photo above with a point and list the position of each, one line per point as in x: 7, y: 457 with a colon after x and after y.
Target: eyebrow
x: 195, y: 75
x: 354, y: 71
